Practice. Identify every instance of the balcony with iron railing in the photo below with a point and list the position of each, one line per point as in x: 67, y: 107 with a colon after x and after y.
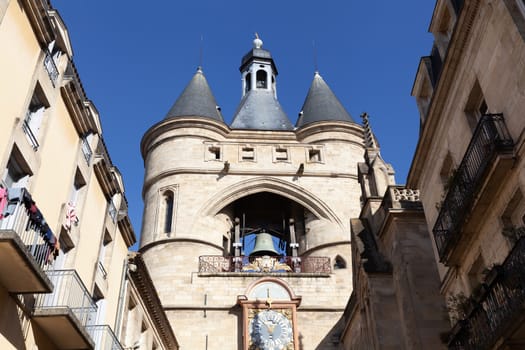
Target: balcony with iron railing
x: 31, y: 137
x: 498, y: 307
x: 264, y: 264
x: 112, y: 211
x: 26, y: 250
x: 86, y: 150
x: 51, y: 68
x: 101, y: 278
x: 65, y: 314
x: 487, y: 156
x: 104, y: 338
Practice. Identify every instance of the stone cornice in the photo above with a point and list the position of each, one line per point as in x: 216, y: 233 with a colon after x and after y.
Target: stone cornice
x: 179, y: 123
x: 127, y: 232
x: 450, y: 66
x: 329, y: 126
x: 36, y: 11
x: 148, y: 246
x: 142, y: 281
x: 232, y: 172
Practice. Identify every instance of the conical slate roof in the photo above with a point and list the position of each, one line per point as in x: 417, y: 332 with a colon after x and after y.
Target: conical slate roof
x: 196, y: 100
x: 321, y: 104
x: 260, y: 110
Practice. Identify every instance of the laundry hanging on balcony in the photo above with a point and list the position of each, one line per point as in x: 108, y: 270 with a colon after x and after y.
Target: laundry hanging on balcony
x: 3, y: 201
x: 71, y: 216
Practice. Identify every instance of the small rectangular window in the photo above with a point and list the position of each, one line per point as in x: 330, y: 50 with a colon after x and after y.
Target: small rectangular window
x: 34, y: 116
x: 314, y: 155
x: 248, y: 153
x: 214, y: 153
x: 281, y: 154
x: 17, y: 172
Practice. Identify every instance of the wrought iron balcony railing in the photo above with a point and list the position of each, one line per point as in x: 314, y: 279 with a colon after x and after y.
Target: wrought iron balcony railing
x: 112, y: 211
x: 86, y: 150
x: 51, y: 68
x: 490, y: 139
x: 29, y: 228
x: 69, y: 293
x: 502, y: 300
x: 31, y: 137
x: 264, y: 264
x: 104, y: 338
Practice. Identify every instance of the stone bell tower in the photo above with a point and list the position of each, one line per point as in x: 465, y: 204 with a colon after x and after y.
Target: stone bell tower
x: 213, y: 192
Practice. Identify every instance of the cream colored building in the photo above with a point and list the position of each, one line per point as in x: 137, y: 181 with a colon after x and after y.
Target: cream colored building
x: 469, y: 167
x: 211, y: 190
x: 64, y: 227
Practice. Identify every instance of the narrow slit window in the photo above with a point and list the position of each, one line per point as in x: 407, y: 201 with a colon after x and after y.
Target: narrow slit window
x: 168, y: 211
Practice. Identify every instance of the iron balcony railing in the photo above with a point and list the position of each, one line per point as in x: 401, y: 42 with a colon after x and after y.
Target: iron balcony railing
x: 69, y: 293
x: 86, y: 150
x: 490, y: 138
x: 112, y: 211
x: 278, y: 264
x: 37, y: 242
x: 500, y: 303
x: 31, y: 137
x: 104, y: 338
x: 102, y: 270
x: 51, y: 68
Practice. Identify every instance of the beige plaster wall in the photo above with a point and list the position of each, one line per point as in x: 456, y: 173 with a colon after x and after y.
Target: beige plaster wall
x: 17, y: 65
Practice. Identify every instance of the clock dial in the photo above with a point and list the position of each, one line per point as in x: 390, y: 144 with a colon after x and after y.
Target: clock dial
x: 270, y: 330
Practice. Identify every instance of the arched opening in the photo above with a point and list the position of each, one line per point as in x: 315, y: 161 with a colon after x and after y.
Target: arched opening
x: 248, y: 83
x: 269, y: 214
x: 261, y: 79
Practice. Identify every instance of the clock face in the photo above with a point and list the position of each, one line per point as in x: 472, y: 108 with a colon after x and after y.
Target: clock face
x: 270, y: 330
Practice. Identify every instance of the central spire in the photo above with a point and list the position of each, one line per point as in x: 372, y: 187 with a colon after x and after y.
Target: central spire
x: 259, y: 108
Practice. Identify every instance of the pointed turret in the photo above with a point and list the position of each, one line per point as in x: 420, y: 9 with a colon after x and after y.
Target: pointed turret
x: 259, y: 108
x: 321, y: 104
x: 196, y: 100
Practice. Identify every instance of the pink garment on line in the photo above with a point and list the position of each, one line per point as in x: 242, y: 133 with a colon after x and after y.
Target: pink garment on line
x: 3, y: 201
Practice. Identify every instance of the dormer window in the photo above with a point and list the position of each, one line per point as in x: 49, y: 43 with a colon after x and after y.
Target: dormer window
x: 261, y: 77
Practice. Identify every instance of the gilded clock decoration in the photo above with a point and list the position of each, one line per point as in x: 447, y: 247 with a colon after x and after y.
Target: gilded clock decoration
x: 271, y: 330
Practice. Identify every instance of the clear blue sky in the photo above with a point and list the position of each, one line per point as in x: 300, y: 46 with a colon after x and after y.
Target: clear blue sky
x: 135, y: 58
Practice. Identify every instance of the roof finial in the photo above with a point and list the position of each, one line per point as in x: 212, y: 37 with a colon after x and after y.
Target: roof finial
x: 315, y: 57
x: 369, y: 140
x: 257, y: 42
x: 199, y: 68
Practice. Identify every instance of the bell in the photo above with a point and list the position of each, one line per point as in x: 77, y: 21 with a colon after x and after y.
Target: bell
x: 264, y: 245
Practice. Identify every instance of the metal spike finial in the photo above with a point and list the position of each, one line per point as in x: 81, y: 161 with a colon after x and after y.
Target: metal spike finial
x: 314, y: 52
x: 201, y: 53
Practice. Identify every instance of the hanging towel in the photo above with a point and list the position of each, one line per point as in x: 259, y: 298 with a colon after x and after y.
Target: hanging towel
x: 71, y: 216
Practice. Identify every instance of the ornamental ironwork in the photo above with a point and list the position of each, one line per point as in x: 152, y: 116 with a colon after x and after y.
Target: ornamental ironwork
x: 501, y: 299
x: 490, y: 139
x: 264, y: 264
